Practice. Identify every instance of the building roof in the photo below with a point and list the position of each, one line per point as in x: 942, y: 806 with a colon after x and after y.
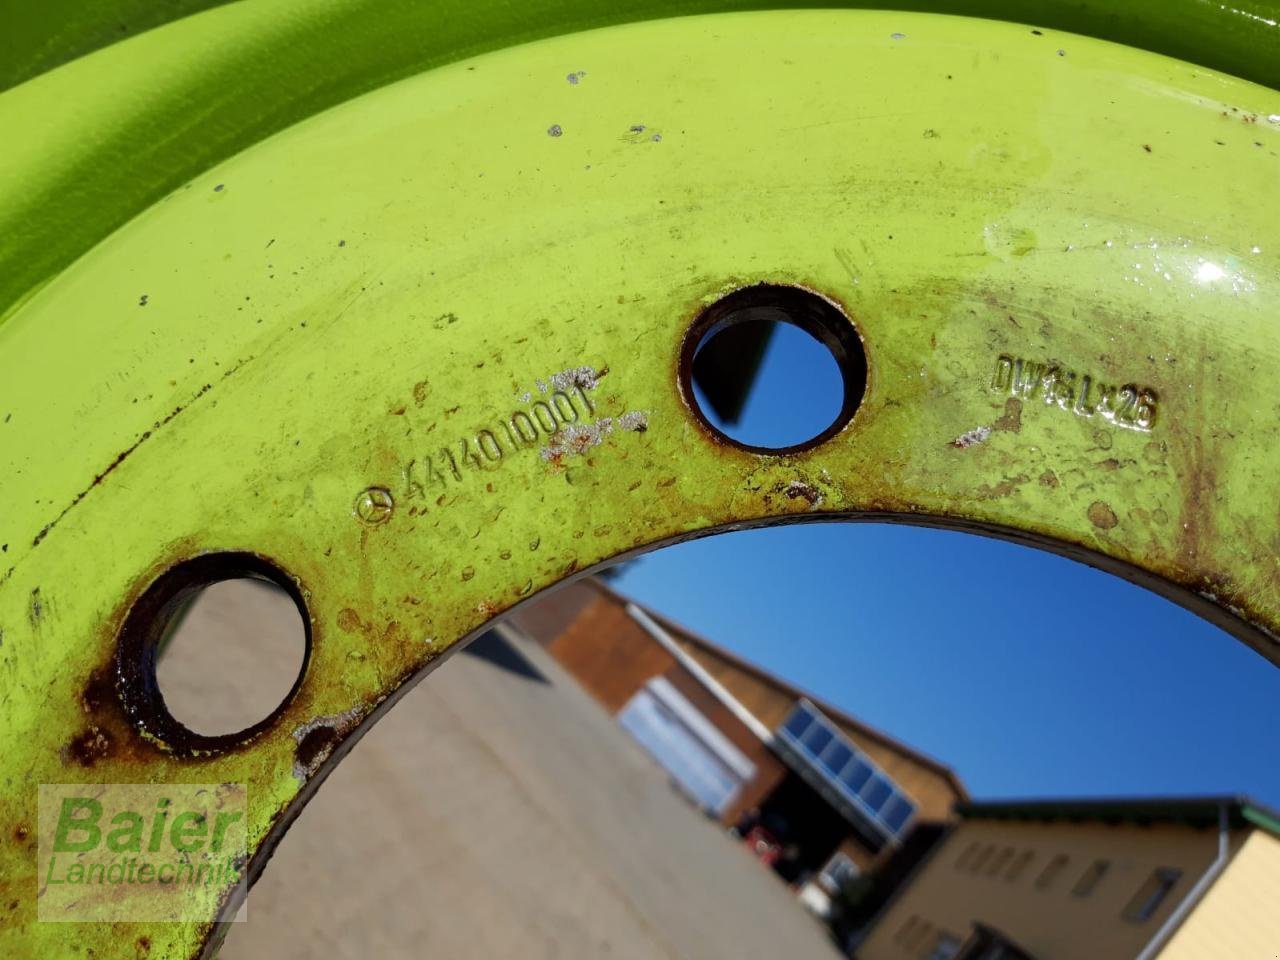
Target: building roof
x: 1192, y: 811
x: 833, y: 712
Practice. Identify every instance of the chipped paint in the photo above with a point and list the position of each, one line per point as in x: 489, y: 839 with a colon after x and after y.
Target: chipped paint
x: 584, y: 377
x: 971, y: 438
x: 577, y: 439
x: 800, y: 490
x: 316, y: 740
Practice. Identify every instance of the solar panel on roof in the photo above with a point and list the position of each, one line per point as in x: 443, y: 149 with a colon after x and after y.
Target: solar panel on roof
x: 846, y: 769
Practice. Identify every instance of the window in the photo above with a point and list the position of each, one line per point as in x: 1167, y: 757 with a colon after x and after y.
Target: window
x: 817, y: 738
x: 963, y: 860
x: 1019, y: 866
x: 857, y: 776
x: 796, y: 723
x: 1000, y: 861
x: 704, y: 765
x: 1051, y: 873
x: 915, y: 932
x: 983, y: 856
x: 876, y: 792
x: 838, y: 872
x: 923, y: 934
x: 896, y: 813
x: 1089, y: 879
x: 1151, y: 894
x: 906, y: 930
x: 836, y: 756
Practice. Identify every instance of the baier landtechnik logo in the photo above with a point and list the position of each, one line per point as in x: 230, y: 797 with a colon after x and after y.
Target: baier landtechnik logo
x: 140, y: 852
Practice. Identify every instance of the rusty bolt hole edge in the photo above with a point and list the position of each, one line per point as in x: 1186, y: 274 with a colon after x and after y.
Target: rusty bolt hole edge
x: 816, y: 314
x: 144, y: 628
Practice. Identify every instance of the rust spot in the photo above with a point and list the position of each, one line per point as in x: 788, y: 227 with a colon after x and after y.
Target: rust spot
x: 348, y: 620
x: 468, y: 573
x: 20, y: 833
x: 144, y: 946
x: 1102, y: 516
x: 137, y: 706
x: 110, y: 727
x: 315, y: 745
x: 1146, y: 147
x: 399, y: 411
x: 90, y: 746
x: 1111, y: 463
x: 1049, y: 478
x: 317, y: 739
x: 98, y: 692
x: 420, y: 393
x: 799, y: 490
x: 1202, y: 458
x: 1012, y: 418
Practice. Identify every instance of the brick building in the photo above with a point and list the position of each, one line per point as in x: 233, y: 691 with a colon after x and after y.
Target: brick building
x: 818, y: 794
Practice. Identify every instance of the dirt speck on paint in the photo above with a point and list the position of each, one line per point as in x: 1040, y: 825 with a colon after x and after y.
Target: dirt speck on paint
x: 1011, y: 419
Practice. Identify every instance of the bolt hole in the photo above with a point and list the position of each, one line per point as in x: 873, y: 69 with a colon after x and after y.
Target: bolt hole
x: 192, y: 638
x: 773, y: 369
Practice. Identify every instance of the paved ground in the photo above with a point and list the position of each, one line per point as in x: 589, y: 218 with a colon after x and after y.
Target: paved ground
x: 496, y: 812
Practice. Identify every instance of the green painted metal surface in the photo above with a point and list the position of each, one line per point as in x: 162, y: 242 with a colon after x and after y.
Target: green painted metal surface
x: 103, y: 138
x: 421, y: 351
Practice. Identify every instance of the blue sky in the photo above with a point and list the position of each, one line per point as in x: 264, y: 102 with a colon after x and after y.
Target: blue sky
x: 1063, y: 681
